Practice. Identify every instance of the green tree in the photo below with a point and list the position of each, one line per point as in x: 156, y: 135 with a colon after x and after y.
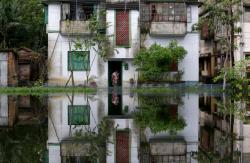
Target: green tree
x: 22, y: 24
x: 221, y: 19
x: 155, y: 113
x: 152, y: 63
x: 236, y: 76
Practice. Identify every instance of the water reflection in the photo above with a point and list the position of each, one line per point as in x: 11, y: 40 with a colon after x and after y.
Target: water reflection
x: 122, y: 128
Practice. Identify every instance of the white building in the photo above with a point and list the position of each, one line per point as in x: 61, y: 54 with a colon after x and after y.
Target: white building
x: 124, y: 25
x: 167, y: 21
x: 87, y: 111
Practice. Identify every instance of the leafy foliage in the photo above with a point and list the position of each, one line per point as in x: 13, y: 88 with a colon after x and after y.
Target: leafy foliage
x: 155, y: 113
x: 98, y: 141
x: 22, y: 24
x: 236, y: 76
x: 156, y: 60
x: 23, y: 144
x: 221, y: 19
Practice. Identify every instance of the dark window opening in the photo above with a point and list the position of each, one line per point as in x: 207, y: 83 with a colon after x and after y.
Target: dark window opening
x: 77, y: 11
x: 163, y: 12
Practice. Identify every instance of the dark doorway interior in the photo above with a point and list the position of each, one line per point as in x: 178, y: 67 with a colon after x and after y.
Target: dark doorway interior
x: 113, y: 68
x: 114, y: 104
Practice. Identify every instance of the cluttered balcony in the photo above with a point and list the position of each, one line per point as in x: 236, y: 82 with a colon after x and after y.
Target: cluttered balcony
x: 164, y: 18
x: 75, y: 18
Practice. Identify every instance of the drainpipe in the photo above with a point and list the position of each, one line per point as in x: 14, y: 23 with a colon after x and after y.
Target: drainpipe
x: 242, y: 31
x: 76, y: 11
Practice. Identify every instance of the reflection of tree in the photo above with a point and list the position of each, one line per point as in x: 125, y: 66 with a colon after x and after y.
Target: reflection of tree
x: 223, y: 149
x: 98, y: 140
x: 23, y: 144
x: 158, y: 114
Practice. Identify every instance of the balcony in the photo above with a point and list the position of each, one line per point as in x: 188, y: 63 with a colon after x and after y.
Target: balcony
x: 164, y: 18
x: 168, y: 28
x: 246, y: 2
x: 74, y: 27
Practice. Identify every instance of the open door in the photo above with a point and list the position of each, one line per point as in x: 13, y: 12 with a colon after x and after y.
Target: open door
x: 115, y: 73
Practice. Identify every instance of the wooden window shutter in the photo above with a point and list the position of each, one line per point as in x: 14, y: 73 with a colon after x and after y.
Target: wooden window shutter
x: 122, y: 28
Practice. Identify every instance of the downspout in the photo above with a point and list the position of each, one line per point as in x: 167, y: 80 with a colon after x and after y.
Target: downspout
x: 242, y: 31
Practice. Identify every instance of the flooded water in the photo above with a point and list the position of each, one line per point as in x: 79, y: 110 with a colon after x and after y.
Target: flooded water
x: 123, y: 127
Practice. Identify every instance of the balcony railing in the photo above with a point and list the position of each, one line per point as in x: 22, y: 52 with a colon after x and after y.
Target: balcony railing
x: 74, y: 27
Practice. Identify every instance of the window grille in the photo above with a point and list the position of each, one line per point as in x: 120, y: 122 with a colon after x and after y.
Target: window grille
x: 122, y: 28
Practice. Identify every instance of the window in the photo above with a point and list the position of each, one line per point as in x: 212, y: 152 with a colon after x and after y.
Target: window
x: 79, y: 114
x: 247, y: 14
x: 122, y: 28
x: 46, y: 14
x: 78, y: 60
x: 162, y: 12
x: 79, y: 11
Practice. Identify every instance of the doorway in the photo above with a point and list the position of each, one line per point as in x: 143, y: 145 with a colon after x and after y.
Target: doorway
x: 115, y: 73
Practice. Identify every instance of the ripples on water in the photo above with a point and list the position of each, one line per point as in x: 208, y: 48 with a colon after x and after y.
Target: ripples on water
x: 123, y: 127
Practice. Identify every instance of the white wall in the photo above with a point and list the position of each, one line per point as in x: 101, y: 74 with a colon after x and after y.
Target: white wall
x: 190, y: 64
x: 121, y: 52
x: 189, y: 111
x: 59, y: 129
x: 58, y: 65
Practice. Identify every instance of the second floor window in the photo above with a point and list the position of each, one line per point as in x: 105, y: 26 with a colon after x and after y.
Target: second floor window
x: 79, y: 11
x: 168, y: 12
x: 122, y: 28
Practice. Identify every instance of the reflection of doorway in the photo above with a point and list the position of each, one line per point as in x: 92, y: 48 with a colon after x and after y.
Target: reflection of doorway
x: 114, y: 104
x: 115, y: 66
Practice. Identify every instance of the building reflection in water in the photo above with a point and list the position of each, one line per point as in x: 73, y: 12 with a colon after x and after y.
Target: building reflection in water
x: 124, y: 127
x: 69, y: 114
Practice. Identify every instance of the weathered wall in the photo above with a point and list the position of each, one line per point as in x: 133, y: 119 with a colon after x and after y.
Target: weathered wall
x: 58, y: 61
x: 4, y: 68
x: 59, y: 129
x: 190, y: 64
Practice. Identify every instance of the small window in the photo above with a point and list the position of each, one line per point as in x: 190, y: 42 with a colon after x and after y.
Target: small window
x: 78, y: 60
x: 46, y: 14
x: 79, y: 115
x: 247, y: 14
x: 122, y: 28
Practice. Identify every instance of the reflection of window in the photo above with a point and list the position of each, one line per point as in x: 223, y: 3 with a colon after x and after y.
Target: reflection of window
x: 122, y: 28
x: 247, y: 56
x: 75, y: 159
x: 78, y: 60
x: 168, y: 12
x: 80, y: 11
x: 79, y: 114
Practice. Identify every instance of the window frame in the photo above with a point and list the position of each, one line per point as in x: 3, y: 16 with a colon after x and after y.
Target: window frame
x: 168, y: 13
x: 79, y: 69
x: 129, y: 30
x: 70, y: 107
